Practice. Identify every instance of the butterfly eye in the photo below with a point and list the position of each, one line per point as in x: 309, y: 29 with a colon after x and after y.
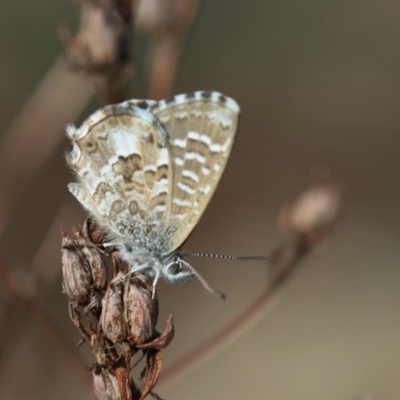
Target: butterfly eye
x: 175, y: 269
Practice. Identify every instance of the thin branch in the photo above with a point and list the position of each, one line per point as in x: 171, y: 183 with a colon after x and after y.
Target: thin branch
x: 166, y: 52
x: 168, y: 23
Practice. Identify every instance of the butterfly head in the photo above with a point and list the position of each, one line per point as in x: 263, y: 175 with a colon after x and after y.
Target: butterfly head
x: 171, y: 267
x: 175, y: 269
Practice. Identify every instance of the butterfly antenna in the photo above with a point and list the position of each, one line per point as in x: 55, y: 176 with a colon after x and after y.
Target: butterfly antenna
x: 225, y: 257
x: 215, y: 292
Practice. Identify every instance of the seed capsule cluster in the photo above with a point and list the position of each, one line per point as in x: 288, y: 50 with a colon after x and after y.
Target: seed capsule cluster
x: 117, y: 316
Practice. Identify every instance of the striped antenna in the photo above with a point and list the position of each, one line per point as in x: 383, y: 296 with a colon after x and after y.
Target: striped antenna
x: 225, y: 257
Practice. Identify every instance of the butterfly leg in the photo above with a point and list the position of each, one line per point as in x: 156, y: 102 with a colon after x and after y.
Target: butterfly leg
x: 215, y: 292
x: 108, y: 244
x: 155, y: 283
x: 136, y: 268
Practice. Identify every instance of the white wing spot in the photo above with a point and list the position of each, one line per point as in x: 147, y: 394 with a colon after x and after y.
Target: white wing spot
x: 192, y: 155
x: 193, y: 135
x: 205, y: 139
x: 125, y: 143
x: 179, y: 161
x: 151, y: 168
x: 163, y: 157
x: 180, y: 143
x: 186, y: 188
x: 216, y: 148
x: 180, y: 99
x: 205, y: 170
x: 190, y: 174
x: 182, y: 203
x: 161, y: 186
x: 159, y: 208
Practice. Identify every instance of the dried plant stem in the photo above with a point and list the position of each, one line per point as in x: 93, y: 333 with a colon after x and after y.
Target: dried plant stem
x: 166, y: 52
x: 45, y: 322
x: 243, y: 322
x: 36, y: 132
x: 167, y: 48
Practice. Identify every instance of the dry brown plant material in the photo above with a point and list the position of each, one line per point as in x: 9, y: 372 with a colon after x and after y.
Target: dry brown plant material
x: 167, y: 22
x: 118, y: 316
x: 101, y: 50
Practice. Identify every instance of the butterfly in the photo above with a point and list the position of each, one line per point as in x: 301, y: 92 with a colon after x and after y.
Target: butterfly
x: 146, y: 171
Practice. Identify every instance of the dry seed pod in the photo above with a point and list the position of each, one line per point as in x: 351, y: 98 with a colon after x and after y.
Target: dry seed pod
x: 141, y: 310
x: 105, y: 385
x: 153, y: 15
x: 102, y: 40
x: 93, y: 232
x: 98, y: 268
x: 164, y: 16
x: 112, y: 315
x: 77, y: 277
x: 315, y: 210
x: 92, y: 253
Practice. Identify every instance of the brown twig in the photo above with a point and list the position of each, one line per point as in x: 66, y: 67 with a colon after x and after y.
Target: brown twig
x: 167, y: 22
x: 118, y: 315
x: 166, y: 51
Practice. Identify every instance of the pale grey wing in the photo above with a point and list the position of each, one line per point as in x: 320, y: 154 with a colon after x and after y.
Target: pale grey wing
x: 201, y: 129
x: 121, y: 158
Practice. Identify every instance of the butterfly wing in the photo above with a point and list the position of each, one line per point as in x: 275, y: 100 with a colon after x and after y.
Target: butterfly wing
x: 201, y: 129
x: 121, y: 159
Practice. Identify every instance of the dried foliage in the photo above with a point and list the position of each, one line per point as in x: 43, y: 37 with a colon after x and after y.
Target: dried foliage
x: 101, y: 50
x: 117, y: 317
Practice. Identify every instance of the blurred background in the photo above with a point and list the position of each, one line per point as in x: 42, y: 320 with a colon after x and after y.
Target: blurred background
x: 319, y: 88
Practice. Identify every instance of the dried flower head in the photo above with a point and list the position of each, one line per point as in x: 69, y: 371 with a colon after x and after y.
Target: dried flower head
x: 101, y: 49
x: 105, y: 384
x: 93, y: 232
x: 77, y: 278
x: 112, y: 318
x: 84, y: 270
x: 141, y: 310
x: 164, y: 16
x: 313, y: 213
